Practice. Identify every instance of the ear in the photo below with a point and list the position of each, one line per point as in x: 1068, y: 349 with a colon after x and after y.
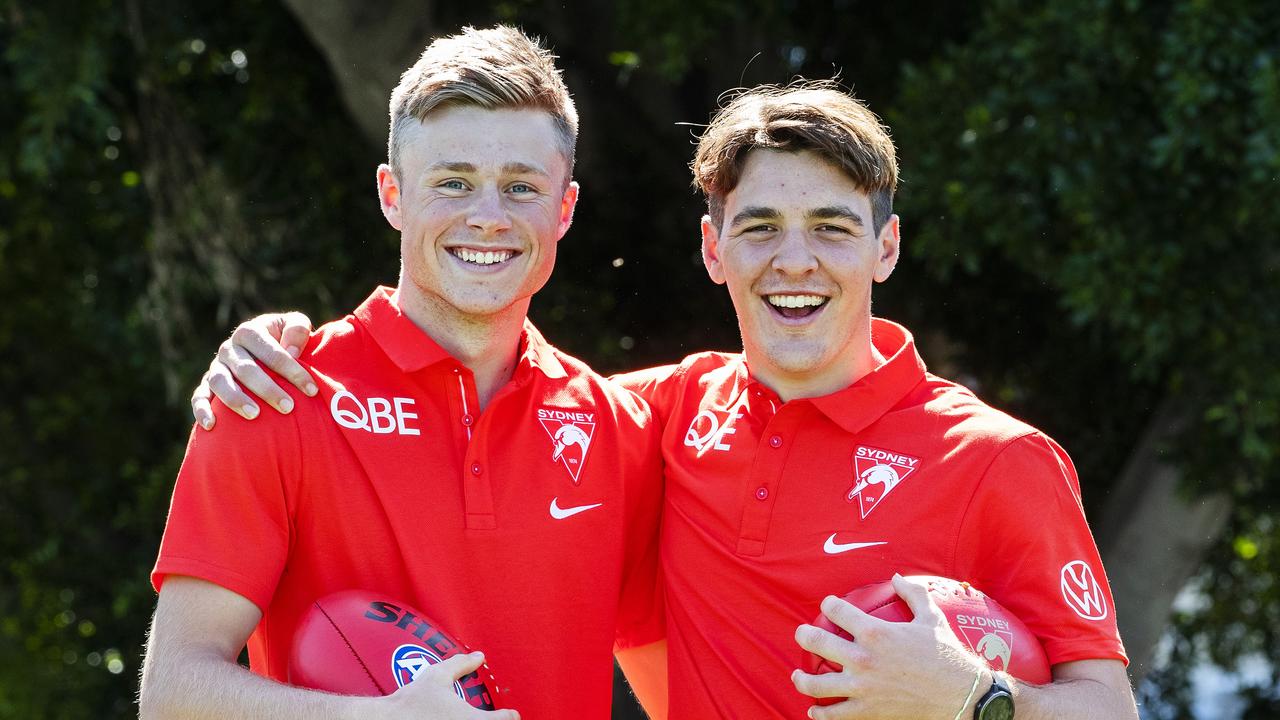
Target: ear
x: 389, y: 195
x: 890, y: 243
x: 567, y: 204
x: 711, y: 250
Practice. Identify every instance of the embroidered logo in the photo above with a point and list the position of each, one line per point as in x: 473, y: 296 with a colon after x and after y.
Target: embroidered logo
x: 876, y: 473
x: 1082, y: 592
x: 711, y: 430
x: 570, y: 432
x: 991, y: 638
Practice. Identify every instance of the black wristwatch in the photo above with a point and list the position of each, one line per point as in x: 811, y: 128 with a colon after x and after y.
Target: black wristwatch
x: 997, y: 704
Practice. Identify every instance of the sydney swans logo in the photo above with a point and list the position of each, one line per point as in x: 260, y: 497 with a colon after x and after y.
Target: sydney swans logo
x: 571, y: 432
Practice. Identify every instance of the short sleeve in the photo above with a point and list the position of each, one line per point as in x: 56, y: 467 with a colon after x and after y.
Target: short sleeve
x: 641, y: 610
x: 1025, y: 541
x: 656, y: 385
x: 229, y: 518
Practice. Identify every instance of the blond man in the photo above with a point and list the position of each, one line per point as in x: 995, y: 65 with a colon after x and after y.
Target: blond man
x: 443, y: 454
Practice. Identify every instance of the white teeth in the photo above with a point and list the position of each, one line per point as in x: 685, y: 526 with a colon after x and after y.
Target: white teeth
x: 795, y: 301
x: 482, y: 258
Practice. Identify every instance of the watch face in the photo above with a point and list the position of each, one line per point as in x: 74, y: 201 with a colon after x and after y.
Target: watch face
x: 997, y: 707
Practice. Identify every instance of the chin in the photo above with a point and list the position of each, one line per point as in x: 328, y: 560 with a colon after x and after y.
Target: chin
x: 797, y: 358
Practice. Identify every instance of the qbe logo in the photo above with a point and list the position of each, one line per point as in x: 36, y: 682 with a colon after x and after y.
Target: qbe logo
x: 377, y: 415
x: 1082, y: 591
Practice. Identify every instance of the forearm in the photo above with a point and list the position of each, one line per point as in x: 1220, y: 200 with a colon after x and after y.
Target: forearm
x: 646, y: 670
x: 1073, y: 699
x: 195, y: 685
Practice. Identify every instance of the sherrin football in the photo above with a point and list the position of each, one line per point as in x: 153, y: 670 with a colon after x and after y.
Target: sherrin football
x: 359, y: 643
x: 990, y: 631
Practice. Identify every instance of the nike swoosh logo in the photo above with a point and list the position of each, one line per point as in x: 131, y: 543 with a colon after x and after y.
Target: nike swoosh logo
x: 834, y: 548
x: 560, y: 513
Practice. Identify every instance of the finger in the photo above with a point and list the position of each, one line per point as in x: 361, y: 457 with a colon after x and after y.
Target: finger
x: 249, y: 374
x: 260, y: 342
x: 825, y: 685
x: 916, y: 595
x: 824, y: 644
x: 848, y: 617
x: 200, y: 407
x: 851, y: 708
x: 455, y: 667
x: 295, y: 332
x: 228, y: 391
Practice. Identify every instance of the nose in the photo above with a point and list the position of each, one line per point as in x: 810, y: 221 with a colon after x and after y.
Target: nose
x: 488, y: 214
x: 794, y: 256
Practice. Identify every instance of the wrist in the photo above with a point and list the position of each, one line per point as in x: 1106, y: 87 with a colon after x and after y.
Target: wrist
x: 995, y: 699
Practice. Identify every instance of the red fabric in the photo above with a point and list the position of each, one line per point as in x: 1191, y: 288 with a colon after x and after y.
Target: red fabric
x: 758, y: 490
x: 425, y: 499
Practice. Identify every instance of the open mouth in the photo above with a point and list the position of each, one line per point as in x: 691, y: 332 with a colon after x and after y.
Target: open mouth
x: 482, y: 258
x: 795, y: 307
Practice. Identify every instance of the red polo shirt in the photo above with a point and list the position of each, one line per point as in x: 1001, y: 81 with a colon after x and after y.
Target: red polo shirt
x: 527, y: 530
x: 772, y: 506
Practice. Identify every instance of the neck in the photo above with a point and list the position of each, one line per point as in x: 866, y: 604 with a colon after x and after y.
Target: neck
x: 488, y: 345
x: 853, y: 362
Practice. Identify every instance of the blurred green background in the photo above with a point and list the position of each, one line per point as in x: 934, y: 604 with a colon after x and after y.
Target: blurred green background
x: 1091, y: 224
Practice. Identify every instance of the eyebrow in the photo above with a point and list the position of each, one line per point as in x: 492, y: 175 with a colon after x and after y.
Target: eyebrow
x: 513, y: 168
x: 754, y: 212
x: 836, y: 212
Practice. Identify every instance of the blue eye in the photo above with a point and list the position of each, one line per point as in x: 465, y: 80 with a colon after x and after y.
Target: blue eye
x: 523, y: 188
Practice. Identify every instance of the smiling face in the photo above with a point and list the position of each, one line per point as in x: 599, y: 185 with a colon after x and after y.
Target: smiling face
x: 799, y: 256
x: 481, y: 199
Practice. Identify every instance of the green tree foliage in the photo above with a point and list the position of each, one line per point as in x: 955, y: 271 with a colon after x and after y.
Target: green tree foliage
x: 1124, y: 157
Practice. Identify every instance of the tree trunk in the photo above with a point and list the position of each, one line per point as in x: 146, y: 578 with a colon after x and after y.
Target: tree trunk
x: 367, y: 45
x: 1153, y: 536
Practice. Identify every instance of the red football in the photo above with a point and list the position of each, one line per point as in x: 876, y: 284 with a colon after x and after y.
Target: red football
x: 358, y: 643
x: 991, y: 632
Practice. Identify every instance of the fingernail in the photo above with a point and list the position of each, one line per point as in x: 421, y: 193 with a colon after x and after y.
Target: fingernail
x: 294, y: 350
x: 286, y: 405
x: 311, y: 389
x: 250, y: 411
x: 206, y: 423
x: 809, y: 712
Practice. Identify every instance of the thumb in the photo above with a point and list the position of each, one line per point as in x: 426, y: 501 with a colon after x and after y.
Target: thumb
x: 916, y: 595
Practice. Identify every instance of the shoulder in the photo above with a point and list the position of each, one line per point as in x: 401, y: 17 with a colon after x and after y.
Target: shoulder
x: 583, y: 384
x: 662, y: 385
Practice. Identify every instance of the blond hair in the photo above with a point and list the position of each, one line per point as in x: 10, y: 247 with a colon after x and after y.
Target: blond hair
x: 494, y: 68
x: 803, y: 115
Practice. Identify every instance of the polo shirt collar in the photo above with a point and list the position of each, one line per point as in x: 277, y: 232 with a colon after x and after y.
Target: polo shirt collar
x: 867, y: 400
x: 536, y: 352
x: 412, y: 349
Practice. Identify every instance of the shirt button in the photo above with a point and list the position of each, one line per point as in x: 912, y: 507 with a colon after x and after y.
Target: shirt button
x: 467, y: 419
x: 456, y: 371
x: 762, y: 493
x: 475, y: 468
x: 775, y: 441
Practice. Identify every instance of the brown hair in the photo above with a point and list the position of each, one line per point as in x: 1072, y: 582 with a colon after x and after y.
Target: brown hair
x: 493, y: 68
x: 802, y: 115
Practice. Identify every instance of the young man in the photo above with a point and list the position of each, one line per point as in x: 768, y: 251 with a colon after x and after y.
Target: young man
x: 824, y: 457
x: 449, y: 458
